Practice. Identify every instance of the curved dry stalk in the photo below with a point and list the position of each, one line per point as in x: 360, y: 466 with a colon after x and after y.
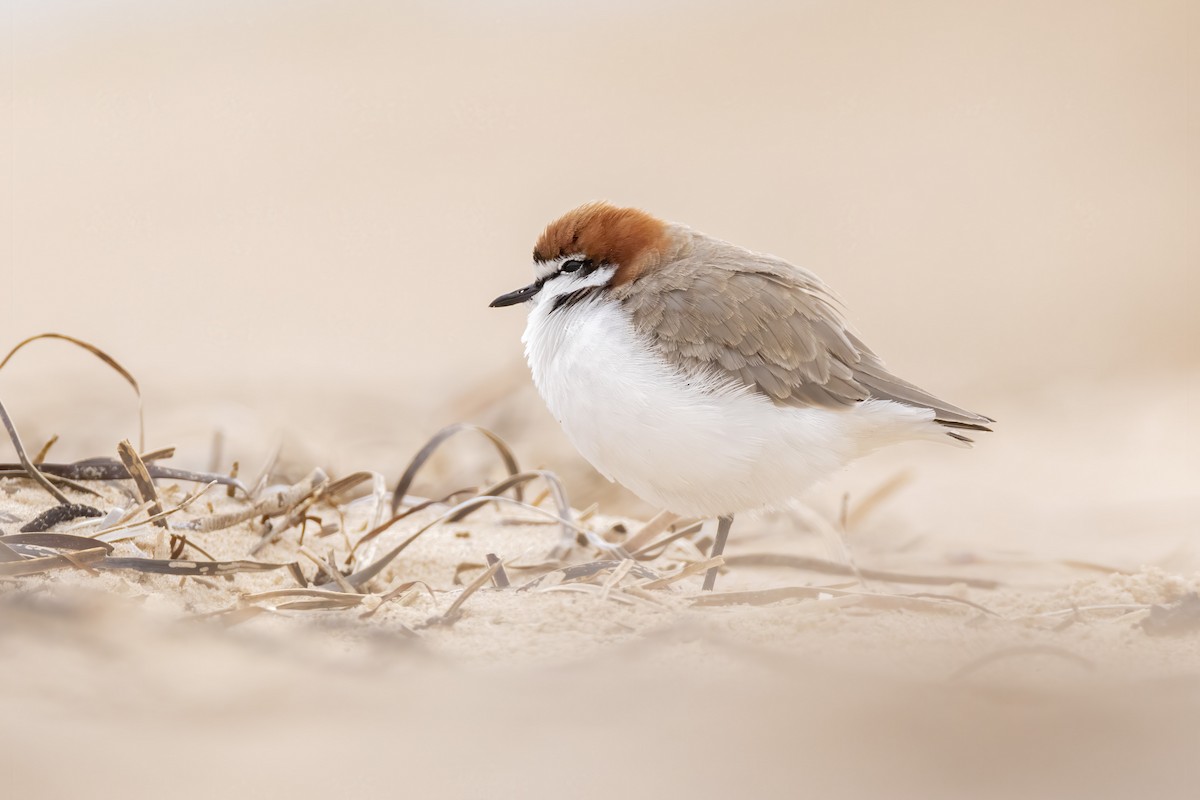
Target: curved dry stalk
x: 834, y: 568
x: 45, y: 451
x: 103, y: 356
x: 357, y: 579
x: 31, y: 470
x: 557, y: 491
x: 378, y: 529
x: 414, y: 466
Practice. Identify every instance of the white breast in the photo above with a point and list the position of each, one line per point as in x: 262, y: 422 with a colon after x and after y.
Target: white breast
x: 683, y: 443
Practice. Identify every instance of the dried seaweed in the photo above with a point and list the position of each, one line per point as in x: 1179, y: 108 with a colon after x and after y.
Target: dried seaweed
x: 30, y: 469
x: 56, y: 541
x: 359, y: 578
x: 418, y: 461
x: 16, y: 471
x: 103, y: 356
x: 141, y: 480
x: 168, y: 566
x: 126, y: 528
x: 7, y: 553
x: 557, y: 490
x: 161, y: 454
x: 453, y: 612
x: 400, y: 591
x: 688, y: 570
x: 579, y: 572
x: 34, y: 566
x: 264, y: 475
x: 332, y: 599
x: 657, y: 524
x: 59, y: 514
x: 106, y: 469
x: 656, y: 549
x: 342, y: 486
x: 834, y: 568
x: 500, y: 579
x: 382, y: 527
x: 45, y: 451
x: 278, y: 503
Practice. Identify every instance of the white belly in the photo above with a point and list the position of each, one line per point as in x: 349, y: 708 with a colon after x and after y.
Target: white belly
x: 697, y: 450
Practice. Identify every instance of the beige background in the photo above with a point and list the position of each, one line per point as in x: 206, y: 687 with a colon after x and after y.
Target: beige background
x: 1003, y: 195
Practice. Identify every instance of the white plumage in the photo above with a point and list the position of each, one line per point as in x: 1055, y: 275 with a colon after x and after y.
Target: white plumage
x: 688, y: 444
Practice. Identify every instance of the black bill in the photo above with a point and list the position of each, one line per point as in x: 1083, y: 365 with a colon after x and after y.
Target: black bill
x: 519, y: 296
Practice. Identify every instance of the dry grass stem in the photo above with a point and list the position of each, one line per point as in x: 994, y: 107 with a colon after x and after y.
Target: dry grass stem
x: 41, y: 454
x: 30, y: 470
x: 430, y: 447
x: 453, y: 613
x: 141, y: 479
x: 103, y: 356
x: 834, y: 568
x: 657, y: 524
x: 278, y: 503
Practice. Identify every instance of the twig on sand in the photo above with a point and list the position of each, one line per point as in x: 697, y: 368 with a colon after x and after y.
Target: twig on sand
x: 418, y: 461
x: 31, y: 470
x: 834, y: 568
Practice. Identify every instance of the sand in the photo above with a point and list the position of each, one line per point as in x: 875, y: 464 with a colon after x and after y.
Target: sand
x: 1075, y: 676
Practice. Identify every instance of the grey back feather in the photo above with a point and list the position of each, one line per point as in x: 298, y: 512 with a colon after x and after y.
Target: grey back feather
x: 714, y: 308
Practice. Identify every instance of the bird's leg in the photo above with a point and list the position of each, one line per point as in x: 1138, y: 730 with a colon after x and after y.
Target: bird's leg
x: 723, y: 526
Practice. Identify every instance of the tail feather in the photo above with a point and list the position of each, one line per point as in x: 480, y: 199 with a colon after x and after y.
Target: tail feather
x: 883, y: 385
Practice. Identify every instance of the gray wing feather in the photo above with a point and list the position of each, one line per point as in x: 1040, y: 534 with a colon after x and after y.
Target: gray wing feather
x: 765, y: 324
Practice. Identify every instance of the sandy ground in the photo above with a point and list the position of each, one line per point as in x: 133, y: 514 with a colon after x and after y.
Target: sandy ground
x: 1078, y: 674
x: 286, y: 219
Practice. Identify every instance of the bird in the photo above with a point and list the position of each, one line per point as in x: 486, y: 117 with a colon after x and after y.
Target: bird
x: 707, y: 378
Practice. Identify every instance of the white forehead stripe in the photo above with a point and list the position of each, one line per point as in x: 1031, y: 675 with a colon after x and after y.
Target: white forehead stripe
x: 550, y: 267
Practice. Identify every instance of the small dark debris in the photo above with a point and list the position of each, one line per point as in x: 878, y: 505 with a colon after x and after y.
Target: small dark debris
x: 59, y: 514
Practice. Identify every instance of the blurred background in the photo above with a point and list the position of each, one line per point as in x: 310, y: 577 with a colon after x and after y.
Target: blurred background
x: 287, y: 218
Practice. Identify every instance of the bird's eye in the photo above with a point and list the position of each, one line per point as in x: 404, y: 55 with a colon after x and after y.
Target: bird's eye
x: 574, y: 265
